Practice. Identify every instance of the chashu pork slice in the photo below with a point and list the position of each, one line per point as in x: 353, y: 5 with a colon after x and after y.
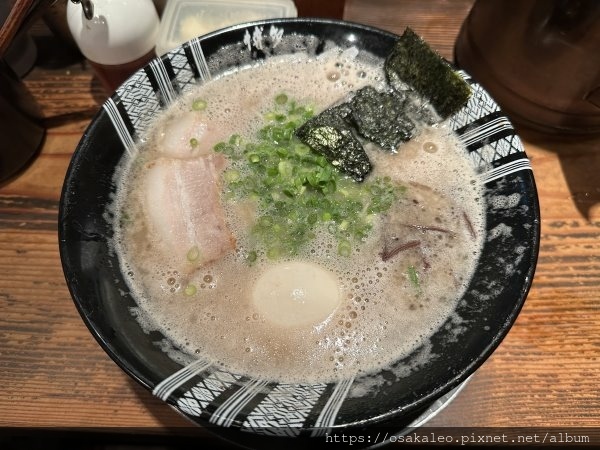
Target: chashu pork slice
x: 184, y: 211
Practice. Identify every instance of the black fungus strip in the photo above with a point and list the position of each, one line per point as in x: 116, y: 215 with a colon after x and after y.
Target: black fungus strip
x: 469, y: 225
x: 388, y: 253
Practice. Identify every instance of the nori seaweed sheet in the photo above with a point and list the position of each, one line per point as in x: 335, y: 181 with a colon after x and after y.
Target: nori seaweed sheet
x: 330, y: 134
x: 412, y: 62
x: 381, y: 117
x: 387, y: 118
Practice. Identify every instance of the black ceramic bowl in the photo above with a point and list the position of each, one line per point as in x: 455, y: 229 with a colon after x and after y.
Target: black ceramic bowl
x: 210, y: 396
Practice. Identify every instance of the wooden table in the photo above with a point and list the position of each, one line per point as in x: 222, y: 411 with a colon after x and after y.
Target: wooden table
x: 53, y: 373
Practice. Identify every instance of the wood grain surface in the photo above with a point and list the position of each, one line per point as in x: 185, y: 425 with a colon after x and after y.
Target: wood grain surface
x: 53, y: 373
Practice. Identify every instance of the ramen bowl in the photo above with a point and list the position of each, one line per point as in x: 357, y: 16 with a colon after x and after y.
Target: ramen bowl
x: 235, y: 404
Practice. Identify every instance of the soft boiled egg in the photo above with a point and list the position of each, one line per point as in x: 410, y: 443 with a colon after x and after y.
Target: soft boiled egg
x: 296, y: 293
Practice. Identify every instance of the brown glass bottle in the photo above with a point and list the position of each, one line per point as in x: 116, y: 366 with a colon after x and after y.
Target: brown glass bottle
x: 539, y: 59
x: 111, y: 76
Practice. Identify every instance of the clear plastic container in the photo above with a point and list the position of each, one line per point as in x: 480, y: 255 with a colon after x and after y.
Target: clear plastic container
x: 183, y: 20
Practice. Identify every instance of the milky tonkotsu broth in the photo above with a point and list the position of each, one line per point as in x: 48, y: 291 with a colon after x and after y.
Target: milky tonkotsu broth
x: 320, y: 316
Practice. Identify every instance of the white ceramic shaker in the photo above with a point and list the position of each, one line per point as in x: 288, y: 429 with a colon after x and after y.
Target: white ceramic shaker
x: 116, y: 36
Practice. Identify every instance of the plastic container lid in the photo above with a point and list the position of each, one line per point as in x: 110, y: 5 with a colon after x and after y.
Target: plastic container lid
x: 183, y: 20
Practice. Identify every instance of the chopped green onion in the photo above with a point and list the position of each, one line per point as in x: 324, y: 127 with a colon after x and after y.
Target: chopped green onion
x: 199, y: 105
x: 190, y: 290
x: 231, y: 176
x: 298, y: 193
x: 281, y: 99
x: 413, y: 276
x: 251, y: 257
x: 193, y: 254
x: 344, y: 248
x: 265, y: 221
x: 285, y: 169
x: 273, y: 253
x: 225, y: 148
x: 194, y: 142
